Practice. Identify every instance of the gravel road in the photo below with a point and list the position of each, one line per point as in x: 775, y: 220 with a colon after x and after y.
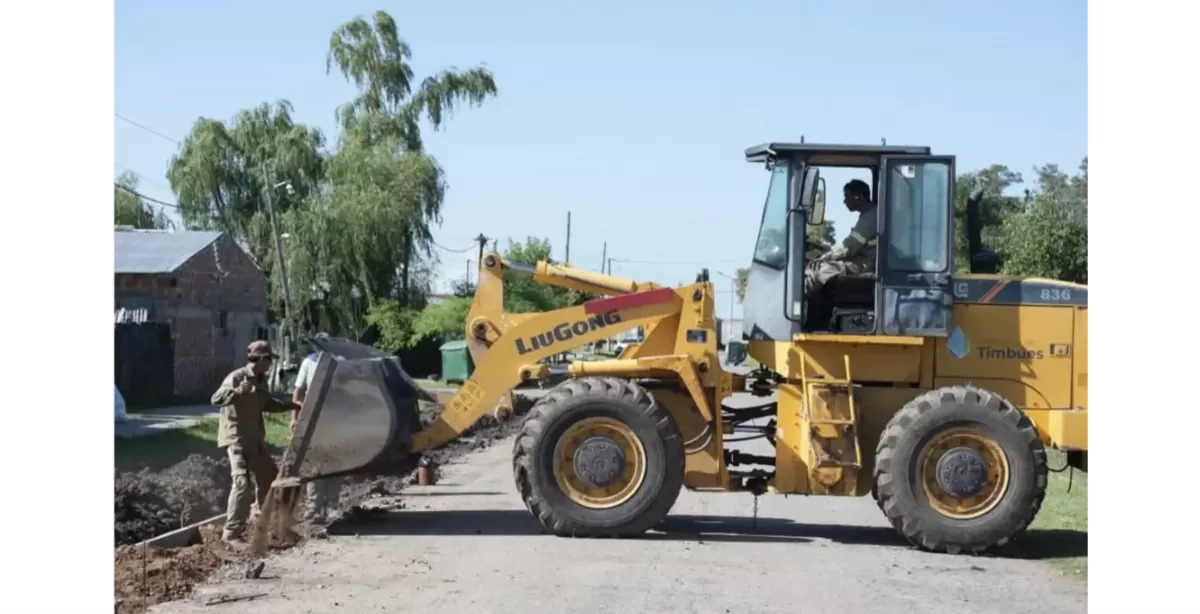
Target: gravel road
x: 469, y: 545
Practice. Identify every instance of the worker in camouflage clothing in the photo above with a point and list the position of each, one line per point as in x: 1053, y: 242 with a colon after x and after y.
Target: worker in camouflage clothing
x: 856, y: 254
x: 243, y: 397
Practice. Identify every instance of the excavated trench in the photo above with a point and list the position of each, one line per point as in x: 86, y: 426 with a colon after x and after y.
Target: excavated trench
x: 151, y: 503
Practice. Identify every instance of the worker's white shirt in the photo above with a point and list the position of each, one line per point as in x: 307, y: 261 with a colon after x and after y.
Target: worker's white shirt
x: 308, y: 368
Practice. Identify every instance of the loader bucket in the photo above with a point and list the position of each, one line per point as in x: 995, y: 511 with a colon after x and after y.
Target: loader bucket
x: 358, y: 417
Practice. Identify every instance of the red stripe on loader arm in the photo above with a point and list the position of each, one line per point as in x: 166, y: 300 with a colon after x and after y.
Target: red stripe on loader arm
x: 629, y: 301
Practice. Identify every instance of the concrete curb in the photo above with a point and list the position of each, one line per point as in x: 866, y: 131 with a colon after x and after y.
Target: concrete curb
x: 180, y: 537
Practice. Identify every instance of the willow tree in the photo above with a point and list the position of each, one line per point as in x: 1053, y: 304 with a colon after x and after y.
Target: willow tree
x: 129, y: 209
x: 388, y: 111
x: 217, y: 175
x: 373, y: 57
x: 353, y: 241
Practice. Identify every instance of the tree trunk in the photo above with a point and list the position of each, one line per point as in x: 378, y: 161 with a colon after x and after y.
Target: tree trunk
x: 407, y: 260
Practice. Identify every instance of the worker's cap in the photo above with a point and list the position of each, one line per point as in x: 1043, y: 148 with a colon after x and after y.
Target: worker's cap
x: 261, y: 349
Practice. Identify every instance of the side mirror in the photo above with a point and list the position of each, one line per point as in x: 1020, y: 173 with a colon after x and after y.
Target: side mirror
x: 816, y: 215
x: 804, y: 195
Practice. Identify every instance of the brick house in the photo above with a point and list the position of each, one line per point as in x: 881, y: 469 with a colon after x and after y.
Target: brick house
x: 205, y: 287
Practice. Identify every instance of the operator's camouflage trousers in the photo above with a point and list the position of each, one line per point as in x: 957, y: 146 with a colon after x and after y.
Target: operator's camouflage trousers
x: 246, y: 462
x: 817, y: 273
x: 320, y: 499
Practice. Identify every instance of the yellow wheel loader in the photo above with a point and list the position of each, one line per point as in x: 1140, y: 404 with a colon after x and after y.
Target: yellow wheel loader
x: 933, y: 391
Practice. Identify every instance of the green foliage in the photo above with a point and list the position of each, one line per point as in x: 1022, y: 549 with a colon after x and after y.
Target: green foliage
x: 995, y: 207
x: 446, y: 320
x: 217, y: 174
x: 129, y: 209
x: 358, y: 219
x: 1048, y: 236
x: 820, y: 237
x: 1040, y: 234
x: 740, y: 277
x: 522, y: 294
x: 373, y: 57
x: 463, y: 288
x: 394, y: 323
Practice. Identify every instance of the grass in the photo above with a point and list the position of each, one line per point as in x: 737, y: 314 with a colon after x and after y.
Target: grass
x: 1059, y: 533
x: 166, y: 449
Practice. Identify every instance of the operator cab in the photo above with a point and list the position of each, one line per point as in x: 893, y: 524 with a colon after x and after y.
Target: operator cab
x: 907, y: 292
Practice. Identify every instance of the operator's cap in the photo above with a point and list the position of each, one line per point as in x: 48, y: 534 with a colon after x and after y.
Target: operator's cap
x: 261, y: 349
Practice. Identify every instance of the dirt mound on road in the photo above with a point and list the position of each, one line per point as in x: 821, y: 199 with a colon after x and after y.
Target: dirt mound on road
x: 486, y: 432
x: 149, y: 503
x: 147, y: 576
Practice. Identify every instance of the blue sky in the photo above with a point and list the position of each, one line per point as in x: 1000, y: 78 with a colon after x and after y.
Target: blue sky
x: 633, y: 115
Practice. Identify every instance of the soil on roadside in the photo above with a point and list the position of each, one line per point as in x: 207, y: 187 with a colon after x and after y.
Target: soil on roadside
x: 151, y: 503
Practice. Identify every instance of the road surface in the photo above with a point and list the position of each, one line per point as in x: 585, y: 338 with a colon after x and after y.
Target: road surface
x: 469, y: 545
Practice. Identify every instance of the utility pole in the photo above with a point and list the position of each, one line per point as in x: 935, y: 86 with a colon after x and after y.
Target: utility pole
x: 268, y: 189
x: 610, y: 266
x: 604, y: 256
x: 468, y: 271
x: 567, y: 258
x: 732, y: 297
x: 482, y: 244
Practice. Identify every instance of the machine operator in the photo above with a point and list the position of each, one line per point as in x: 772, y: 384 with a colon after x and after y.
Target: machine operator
x: 856, y: 254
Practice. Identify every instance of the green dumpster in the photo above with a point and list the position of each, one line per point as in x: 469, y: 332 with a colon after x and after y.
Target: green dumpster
x: 456, y: 362
x: 737, y: 353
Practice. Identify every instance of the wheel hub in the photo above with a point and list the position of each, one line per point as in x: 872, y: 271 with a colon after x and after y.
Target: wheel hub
x: 599, y: 461
x: 962, y: 472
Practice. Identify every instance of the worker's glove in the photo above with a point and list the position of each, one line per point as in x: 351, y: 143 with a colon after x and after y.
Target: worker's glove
x: 245, y: 387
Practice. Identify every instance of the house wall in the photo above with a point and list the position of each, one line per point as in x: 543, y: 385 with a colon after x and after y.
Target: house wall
x: 216, y: 303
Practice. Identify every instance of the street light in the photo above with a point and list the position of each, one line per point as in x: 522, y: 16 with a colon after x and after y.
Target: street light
x: 287, y: 185
x: 288, y: 322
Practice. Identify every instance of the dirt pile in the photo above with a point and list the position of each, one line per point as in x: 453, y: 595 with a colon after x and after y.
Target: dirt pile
x: 147, y: 576
x: 485, y: 433
x: 150, y: 503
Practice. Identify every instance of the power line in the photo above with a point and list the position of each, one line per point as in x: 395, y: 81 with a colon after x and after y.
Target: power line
x: 144, y: 197
x: 456, y: 251
x: 661, y: 262
x: 146, y: 128
x: 144, y: 178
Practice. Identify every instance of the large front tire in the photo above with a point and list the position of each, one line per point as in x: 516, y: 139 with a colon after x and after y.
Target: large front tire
x: 599, y: 457
x: 960, y: 470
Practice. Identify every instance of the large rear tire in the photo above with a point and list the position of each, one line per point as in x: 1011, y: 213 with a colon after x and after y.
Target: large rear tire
x: 598, y: 457
x: 960, y: 470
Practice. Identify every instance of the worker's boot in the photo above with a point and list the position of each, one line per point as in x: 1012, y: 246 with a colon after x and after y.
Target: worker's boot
x: 234, y: 540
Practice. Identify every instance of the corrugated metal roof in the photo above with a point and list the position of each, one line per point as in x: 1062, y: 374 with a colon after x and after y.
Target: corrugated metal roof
x: 132, y: 316
x: 139, y: 251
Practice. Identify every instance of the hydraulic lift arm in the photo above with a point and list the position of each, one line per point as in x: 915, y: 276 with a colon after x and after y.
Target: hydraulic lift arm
x: 506, y: 348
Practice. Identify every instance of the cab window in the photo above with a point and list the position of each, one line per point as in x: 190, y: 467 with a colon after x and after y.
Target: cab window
x: 918, y: 239
x: 771, y: 248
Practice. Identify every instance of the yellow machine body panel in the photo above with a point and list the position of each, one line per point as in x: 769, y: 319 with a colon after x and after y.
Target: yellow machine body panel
x: 1034, y: 355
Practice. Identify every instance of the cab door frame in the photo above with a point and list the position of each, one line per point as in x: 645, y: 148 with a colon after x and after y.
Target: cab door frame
x: 913, y: 301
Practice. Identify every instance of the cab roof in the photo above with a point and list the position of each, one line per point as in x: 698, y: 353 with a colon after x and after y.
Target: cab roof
x: 760, y: 153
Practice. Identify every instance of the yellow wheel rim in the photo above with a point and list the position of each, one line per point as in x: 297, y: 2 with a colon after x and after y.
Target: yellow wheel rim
x: 599, y: 463
x: 963, y: 473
